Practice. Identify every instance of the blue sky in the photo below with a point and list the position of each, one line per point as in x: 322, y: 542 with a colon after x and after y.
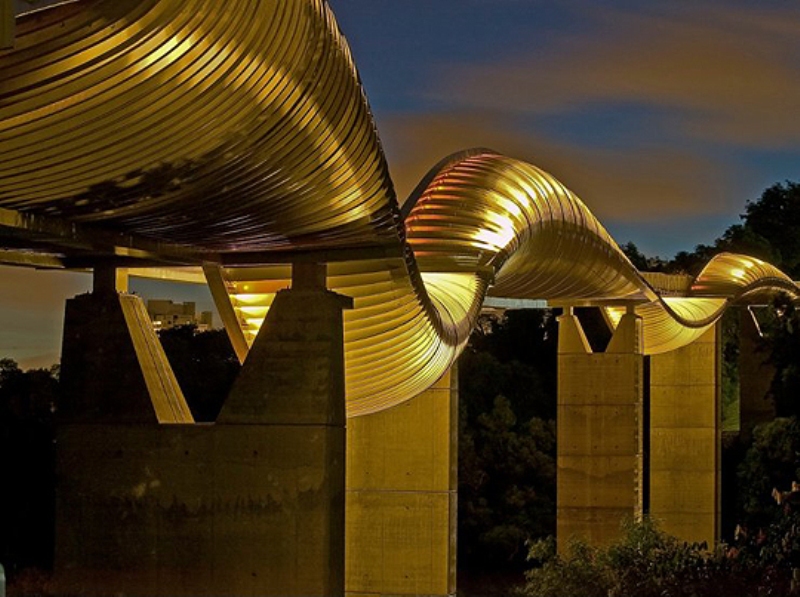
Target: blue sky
x: 664, y: 116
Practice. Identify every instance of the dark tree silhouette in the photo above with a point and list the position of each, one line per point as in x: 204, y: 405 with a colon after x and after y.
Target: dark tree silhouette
x: 205, y: 366
x: 507, y: 380
x: 28, y: 401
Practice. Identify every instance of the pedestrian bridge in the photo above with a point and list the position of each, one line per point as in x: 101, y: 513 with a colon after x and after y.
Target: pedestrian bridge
x: 238, y: 135
x: 232, y: 143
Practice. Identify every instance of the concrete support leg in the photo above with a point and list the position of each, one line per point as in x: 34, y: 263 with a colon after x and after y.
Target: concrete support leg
x: 685, y: 433
x: 599, y: 476
x: 290, y: 392
x: 401, y: 496
x: 755, y: 376
x: 117, y: 389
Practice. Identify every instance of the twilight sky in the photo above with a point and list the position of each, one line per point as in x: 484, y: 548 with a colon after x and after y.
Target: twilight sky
x: 665, y: 116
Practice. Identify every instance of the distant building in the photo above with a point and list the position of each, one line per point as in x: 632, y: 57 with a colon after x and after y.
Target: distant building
x: 165, y: 315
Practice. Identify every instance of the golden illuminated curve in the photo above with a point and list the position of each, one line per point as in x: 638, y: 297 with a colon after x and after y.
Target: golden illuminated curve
x: 241, y: 127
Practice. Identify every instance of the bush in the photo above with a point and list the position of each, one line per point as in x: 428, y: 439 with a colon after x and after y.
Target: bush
x: 578, y: 573
x: 646, y: 562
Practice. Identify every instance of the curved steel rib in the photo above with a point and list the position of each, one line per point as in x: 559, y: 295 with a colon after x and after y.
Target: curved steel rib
x: 242, y: 126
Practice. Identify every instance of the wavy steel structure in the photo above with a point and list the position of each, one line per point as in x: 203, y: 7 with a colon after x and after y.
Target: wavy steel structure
x: 232, y: 132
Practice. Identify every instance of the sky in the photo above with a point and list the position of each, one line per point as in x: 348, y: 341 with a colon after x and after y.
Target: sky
x: 664, y: 116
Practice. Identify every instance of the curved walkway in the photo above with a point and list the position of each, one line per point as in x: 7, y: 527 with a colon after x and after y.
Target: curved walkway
x: 242, y: 126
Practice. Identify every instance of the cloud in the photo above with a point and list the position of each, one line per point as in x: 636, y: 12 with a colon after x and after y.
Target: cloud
x: 648, y: 111
x: 31, y: 321
x: 716, y: 73
x: 635, y: 184
x: 37, y: 290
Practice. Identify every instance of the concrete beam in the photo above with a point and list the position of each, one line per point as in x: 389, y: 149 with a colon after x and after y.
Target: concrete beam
x: 31, y: 259
x: 89, y: 244
x: 222, y: 300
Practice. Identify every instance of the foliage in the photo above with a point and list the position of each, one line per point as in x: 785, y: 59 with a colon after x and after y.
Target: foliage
x: 513, y: 356
x: 769, y: 232
x: 640, y: 261
x: 507, y: 485
x: 578, y: 573
x: 205, y: 367
x: 28, y: 402
x: 506, y: 441
x: 774, y: 219
x: 647, y: 562
x: 782, y: 342
x: 773, y: 460
x: 730, y: 370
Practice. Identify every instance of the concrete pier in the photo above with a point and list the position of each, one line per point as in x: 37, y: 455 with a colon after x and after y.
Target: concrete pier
x: 250, y: 505
x: 685, y: 436
x: 600, y: 432
x: 401, y: 496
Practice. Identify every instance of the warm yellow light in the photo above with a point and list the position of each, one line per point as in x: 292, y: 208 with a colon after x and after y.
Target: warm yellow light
x: 498, y: 237
x: 254, y: 322
x: 250, y: 298
x: 285, y: 166
x: 253, y: 310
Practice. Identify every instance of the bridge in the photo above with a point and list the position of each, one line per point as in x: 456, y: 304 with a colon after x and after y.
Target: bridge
x: 232, y: 143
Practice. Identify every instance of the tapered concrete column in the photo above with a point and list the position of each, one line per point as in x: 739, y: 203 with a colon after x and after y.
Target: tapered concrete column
x: 117, y: 390
x: 401, y: 496
x: 599, y: 476
x: 755, y: 376
x: 685, y: 432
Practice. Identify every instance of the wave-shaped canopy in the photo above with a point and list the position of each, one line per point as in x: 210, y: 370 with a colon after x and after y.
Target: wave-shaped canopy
x: 241, y: 128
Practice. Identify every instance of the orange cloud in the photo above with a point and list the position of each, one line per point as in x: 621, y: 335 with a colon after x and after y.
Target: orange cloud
x: 716, y: 73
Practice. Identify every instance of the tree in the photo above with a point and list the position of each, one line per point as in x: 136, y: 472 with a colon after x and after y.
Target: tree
x: 642, y: 262
x: 633, y: 253
x: 646, y: 562
x: 769, y: 231
x: 28, y: 404
x: 772, y: 460
x: 205, y: 366
x: 729, y: 360
x: 506, y: 446
x: 516, y: 357
x: 507, y: 485
x: 773, y: 220
x: 782, y: 343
